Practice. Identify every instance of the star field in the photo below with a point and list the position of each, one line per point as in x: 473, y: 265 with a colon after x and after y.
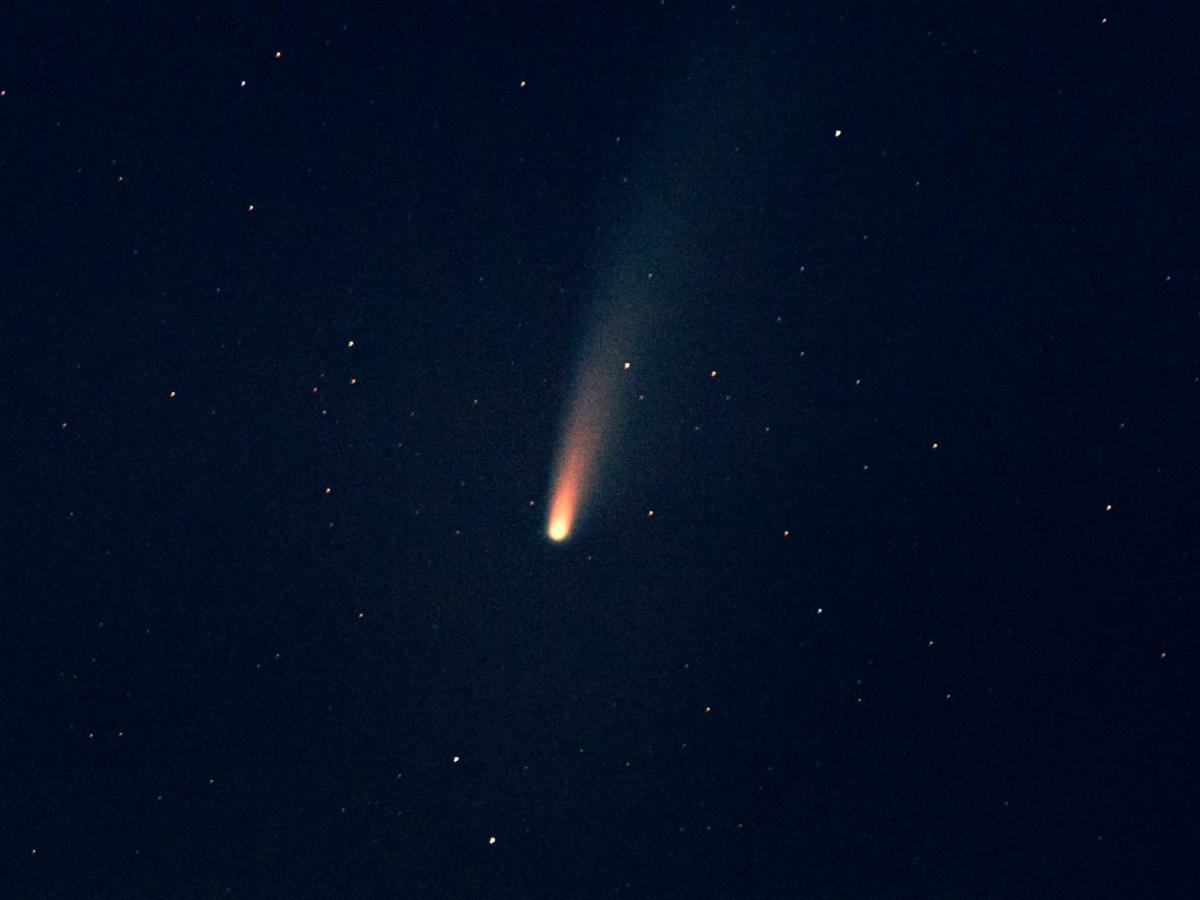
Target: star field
x: 885, y: 581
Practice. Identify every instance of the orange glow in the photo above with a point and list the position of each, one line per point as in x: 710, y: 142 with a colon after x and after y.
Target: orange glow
x: 568, y: 484
x: 563, y: 504
x: 579, y: 455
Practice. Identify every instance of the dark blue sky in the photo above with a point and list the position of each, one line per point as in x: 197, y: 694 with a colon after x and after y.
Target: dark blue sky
x: 293, y: 302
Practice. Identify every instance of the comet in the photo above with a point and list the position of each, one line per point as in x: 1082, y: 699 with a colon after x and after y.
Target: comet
x: 598, y: 398
x: 648, y: 269
x: 584, y: 440
x: 653, y: 273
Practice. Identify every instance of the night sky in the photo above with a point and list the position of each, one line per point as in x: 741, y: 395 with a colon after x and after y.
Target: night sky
x: 887, y: 321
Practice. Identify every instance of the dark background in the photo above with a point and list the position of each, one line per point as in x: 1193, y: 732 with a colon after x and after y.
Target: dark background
x: 915, y: 612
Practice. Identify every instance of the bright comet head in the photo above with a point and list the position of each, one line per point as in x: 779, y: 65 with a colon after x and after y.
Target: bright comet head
x: 562, y: 510
x: 558, y: 530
